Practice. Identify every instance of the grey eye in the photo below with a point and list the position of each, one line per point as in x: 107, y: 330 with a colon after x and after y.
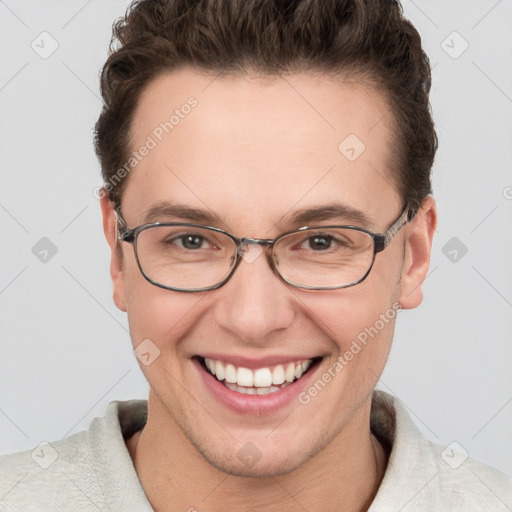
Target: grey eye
x: 191, y: 241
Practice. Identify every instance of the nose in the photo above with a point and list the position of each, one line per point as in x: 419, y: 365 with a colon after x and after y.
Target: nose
x: 255, y: 302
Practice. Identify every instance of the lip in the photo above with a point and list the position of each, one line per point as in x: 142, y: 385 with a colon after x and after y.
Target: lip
x: 261, y: 405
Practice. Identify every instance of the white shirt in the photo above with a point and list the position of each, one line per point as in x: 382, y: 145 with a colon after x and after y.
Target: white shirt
x: 93, y: 471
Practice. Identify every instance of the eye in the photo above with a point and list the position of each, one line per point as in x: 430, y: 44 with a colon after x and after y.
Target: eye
x: 324, y: 241
x: 189, y: 241
x: 320, y: 242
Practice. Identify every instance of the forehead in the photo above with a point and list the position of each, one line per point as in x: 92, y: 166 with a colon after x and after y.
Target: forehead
x: 253, y: 149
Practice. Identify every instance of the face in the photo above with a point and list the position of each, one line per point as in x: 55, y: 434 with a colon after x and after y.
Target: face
x: 254, y: 151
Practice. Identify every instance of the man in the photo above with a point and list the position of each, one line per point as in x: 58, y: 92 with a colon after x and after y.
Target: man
x: 267, y: 204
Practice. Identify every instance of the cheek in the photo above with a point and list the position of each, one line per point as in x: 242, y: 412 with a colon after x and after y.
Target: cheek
x: 352, y: 315
x: 360, y: 320
x: 160, y: 315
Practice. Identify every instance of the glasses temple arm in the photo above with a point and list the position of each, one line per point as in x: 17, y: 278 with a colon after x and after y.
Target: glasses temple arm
x: 120, y: 224
x: 406, y: 216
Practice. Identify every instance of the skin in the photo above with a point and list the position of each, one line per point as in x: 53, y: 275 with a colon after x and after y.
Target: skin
x: 252, y: 151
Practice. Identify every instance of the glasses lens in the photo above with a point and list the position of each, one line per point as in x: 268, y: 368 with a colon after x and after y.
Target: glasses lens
x: 185, y: 257
x: 324, y: 258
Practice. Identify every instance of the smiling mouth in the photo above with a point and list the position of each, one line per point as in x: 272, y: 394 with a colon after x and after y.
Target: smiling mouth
x: 260, y: 381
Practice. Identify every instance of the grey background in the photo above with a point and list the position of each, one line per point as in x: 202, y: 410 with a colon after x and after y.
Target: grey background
x: 65, y: 349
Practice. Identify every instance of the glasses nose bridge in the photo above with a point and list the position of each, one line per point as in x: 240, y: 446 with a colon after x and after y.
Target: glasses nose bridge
x: 262, y: 242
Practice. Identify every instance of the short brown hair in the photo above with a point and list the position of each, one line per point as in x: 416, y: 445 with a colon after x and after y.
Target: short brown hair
x: 369, y: 39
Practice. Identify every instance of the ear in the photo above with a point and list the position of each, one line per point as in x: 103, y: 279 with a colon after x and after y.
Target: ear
x: 116, y: 260
x: 418, y: 246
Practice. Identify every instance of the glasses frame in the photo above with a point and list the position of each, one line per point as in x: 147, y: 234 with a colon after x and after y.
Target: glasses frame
x: 380, y: 242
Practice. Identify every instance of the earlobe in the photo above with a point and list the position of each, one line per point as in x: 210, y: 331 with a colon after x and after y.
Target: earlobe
x: 418, y: 247
x: 116, y: 268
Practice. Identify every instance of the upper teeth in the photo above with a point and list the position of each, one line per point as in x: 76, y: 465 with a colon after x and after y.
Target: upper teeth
x: 261, y: 377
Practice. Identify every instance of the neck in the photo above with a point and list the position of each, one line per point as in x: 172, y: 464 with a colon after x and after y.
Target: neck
x: 175, y: 477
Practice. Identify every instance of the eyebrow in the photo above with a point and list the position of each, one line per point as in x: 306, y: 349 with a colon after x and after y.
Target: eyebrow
x: 164, y: 209
x: 330, y: 212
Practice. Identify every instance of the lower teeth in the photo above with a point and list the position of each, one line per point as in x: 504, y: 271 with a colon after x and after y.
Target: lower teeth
x: 254, y: 390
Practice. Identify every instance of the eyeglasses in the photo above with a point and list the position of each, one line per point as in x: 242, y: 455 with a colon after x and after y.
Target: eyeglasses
x: 187, y: 257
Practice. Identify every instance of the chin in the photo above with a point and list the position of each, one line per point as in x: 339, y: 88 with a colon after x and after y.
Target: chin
x: 246, y: 460
x: 256, y: 469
